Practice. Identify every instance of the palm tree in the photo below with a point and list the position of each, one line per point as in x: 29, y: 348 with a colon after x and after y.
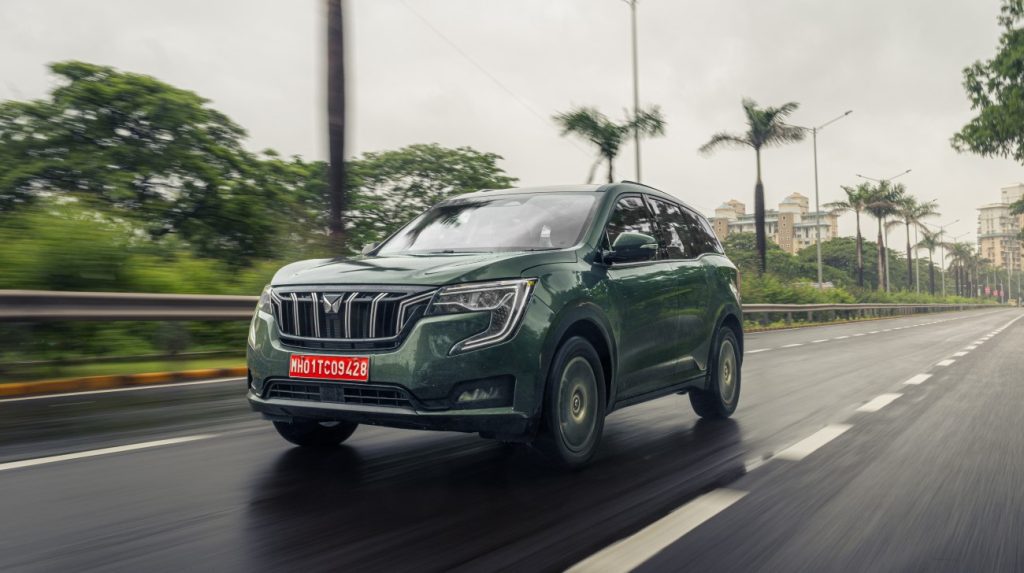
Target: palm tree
x: 911, y: 213
x: 766, y: 127
x: 608, y: 136
x: 961, y: 256
x: 336, y: 124
x: 881, y: 203
x: 856, y: 201
x: 930, y: 240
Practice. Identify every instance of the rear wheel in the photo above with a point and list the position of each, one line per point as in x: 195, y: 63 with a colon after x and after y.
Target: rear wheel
x: 310, y: 433
x: 722, y: 395
x: 574, y: 405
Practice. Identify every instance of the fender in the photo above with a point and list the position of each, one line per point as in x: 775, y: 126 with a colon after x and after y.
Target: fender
x: 572, y: 313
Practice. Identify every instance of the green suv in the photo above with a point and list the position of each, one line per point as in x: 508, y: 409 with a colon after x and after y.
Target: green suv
x: 526, y: 315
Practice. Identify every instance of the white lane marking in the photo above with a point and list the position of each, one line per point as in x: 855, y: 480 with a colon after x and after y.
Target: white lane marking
x: 792, y: 345
x: 961, y: 353
x: 873, y: 332
x: 806, y: 446
x: 629, y: 553
x: 758, y: 350
x: 971, y: 347
x: 859, y: 334
x: 918, y: 379
x: 887, y: 330
x: 945, y: 362
x: 103, y: 452
x: 131, y: 389
x: 879, y: 402
x: 841, y: 337
x: 820, y: 340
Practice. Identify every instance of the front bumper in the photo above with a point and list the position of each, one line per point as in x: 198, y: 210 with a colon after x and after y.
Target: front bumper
x: 421, y: 368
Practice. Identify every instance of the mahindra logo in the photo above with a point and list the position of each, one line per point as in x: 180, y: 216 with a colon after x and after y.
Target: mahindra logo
x: 332, y: 303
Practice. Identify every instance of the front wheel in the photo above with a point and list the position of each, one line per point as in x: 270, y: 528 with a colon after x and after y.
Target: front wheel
x: 309, y: 433
x: 574, y: 405
x: 722, y: 395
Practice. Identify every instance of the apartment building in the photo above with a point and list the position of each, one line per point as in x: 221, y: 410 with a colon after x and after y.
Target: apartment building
x: 999, y: 231
x: 792, y: 226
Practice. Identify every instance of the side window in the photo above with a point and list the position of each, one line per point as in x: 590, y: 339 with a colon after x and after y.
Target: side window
x: 671, y: 229
x: 684, y: 237
x: 631, y: 214
x: 710, y: 237
x: 705, y: 235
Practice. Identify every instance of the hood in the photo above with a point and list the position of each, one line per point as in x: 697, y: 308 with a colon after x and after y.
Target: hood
x: 428, y: 270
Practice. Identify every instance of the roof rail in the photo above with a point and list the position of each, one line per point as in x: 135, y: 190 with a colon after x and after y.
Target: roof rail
x: 640, y: 184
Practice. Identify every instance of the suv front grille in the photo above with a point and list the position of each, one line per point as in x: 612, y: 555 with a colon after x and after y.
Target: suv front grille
x: 352, y: 318
x: 340, y: 394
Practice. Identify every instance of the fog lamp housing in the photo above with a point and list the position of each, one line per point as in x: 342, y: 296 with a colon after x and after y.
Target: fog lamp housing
x: 495, y: 392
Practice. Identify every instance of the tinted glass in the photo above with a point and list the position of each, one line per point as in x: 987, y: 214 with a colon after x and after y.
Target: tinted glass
x: 673, y: 233
x: 632, y: 215
x: 535, y: 221
x: 710, y: 237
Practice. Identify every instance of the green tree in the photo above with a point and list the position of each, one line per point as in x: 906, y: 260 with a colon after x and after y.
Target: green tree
x: 766, y: 127
x: 995, y: 89
x: 154, y: 152
x: 910, y: 212
x: 961, y: 256
x: 389, y: 188
x: 930, y: 240
x: 856, y: 201
x: 1017, y: 208
x: 608, y: 136
x: 881, y: 203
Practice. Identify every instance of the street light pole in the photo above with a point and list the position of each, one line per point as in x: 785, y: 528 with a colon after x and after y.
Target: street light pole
x: 884, y: 251
x: 817, y: 195
x: 636, y: 87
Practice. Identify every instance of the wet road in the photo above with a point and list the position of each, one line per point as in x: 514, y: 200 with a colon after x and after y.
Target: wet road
x: 831, y: 463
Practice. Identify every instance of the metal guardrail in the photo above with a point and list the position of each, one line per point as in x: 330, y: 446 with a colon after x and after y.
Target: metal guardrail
x: 52, y: 306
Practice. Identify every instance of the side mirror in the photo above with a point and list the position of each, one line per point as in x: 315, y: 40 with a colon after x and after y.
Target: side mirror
x: 368, y: 248
x: 631, y: 247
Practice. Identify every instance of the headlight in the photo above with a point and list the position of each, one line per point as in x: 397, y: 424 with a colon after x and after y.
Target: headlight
x: 505, y: 300
x: 265, y: 305
x: 265, y: 302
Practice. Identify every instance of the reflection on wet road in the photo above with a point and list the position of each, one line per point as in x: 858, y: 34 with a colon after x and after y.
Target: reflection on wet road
x: 415, y: 501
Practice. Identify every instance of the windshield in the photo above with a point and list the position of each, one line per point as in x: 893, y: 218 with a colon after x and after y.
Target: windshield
x: 501, y: 223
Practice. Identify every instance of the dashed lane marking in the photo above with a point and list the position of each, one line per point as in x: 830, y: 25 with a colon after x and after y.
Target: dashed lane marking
x: 918, y: 379
x: 945, y: 362
x: 879, y: 402
x: 629, y: 553
x: 808, y: 445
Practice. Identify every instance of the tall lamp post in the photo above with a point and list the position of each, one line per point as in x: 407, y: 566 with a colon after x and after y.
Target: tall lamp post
x: 885, y: 237
x: 636, y: 87
x: 817, y: 201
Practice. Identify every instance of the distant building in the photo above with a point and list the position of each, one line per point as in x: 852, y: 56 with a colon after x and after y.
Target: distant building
x: 999, y: 231
x: 791, y: 226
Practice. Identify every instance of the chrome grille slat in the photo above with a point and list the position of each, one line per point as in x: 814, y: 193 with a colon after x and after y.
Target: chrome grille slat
x: 353, y: 318
x: 373, y: 313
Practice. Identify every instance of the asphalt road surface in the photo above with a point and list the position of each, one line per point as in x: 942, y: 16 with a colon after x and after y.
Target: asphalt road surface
x: 833, y: 462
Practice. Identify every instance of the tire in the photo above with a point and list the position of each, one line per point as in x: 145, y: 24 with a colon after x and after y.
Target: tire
x: 722, y: 395
x: 574, y: 405
x: 313, y: 434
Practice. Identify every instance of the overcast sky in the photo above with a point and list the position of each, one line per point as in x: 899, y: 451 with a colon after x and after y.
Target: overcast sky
x: 413, y: 80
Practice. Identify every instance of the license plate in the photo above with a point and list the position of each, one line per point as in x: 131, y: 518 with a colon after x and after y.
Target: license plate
x: 353, y: 368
